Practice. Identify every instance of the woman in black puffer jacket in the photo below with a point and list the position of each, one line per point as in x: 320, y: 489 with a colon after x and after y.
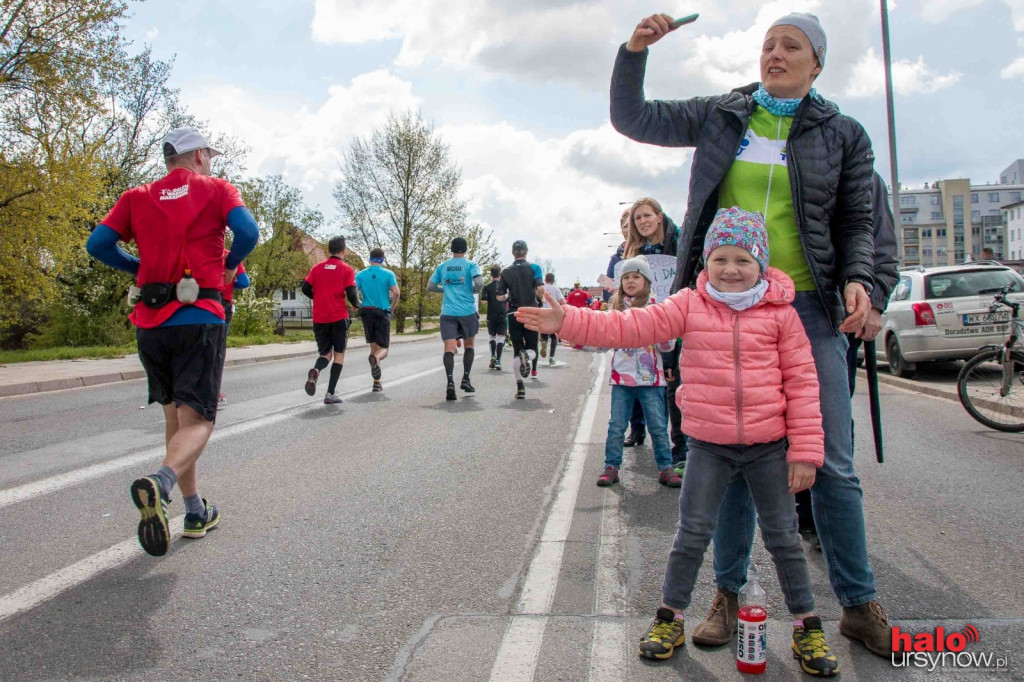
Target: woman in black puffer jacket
x: 779, y: 148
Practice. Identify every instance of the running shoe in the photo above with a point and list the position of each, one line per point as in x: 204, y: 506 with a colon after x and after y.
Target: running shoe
x: 450, y: 392
x: 551, y: 361
x: 491, y: 366
x: 466, y: 386
x: 377, y: 388
x: 670, y: 478
x: 374, y: 368
x: 332, y: 399
x: 610, y: 475
x: 664, y: 636
x: 221, y: 399
x: 524, y: 364
x: 196, y: 525
x: 533, y: 373
x: 520, y: 390
x: 543, y: 348
x: 679, y: 468
x: 311, y: 378
x: 154, y: 534
x: 809, y: 647
x: 497, y: 366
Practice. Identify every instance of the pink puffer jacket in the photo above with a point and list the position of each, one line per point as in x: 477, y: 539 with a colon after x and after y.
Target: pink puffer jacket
x: 747, y: 377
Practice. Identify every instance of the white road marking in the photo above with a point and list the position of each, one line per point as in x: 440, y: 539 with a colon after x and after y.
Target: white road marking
x: 47, y: 588
x: 608, y: 651
x: 53, y: 484
x: 520, y: 646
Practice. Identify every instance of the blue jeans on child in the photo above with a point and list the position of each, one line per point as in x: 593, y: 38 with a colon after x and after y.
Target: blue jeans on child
x: 652, y: 398
x: 710, y: 469
x: 836, y: 497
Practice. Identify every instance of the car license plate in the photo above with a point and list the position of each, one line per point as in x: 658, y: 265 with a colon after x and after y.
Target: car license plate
x: 974, y: 319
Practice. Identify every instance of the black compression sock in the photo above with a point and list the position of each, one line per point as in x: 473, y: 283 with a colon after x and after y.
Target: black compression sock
x: 467, y: 361
x: 493, y: 345
x: 497, y: 352
x: 320, y: 364
x: 552, y: 346
x: 335, y: 374
x: 449, y: 366
x: 533, y: 363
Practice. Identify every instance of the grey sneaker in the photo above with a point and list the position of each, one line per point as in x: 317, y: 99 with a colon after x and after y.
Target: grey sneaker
x: 196, y: 526
x: 524, y: 364
x: 332, y: 399
x: 154, y: 533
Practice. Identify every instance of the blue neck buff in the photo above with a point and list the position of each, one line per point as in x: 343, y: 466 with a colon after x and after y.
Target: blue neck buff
x: 778, y: 105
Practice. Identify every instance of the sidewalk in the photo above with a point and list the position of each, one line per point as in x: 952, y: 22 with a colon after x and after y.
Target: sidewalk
x: 39, y: 377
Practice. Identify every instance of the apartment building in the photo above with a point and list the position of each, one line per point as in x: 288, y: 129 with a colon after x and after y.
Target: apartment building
x: 943, y: 223
x: 1014, y: 231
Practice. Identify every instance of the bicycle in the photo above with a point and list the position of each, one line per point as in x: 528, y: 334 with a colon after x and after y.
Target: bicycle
x: 991, y: 384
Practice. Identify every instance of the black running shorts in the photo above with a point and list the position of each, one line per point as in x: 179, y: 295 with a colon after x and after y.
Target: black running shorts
x: 377, y: 327
x: 459, y: 327
x: 184, y: 365
x: 497, y: 326
x: 522, y: 338
x: 331, y: 336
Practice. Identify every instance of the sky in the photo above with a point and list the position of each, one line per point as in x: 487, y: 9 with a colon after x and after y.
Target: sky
x: 518, y: 89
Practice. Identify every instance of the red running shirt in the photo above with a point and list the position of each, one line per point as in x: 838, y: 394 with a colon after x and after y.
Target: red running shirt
x: 227, y: 291
x: 330, y: 279
x: 177, y: 222
x: 577, y: 298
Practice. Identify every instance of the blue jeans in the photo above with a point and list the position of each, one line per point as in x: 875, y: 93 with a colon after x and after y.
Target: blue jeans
x: 709, y: 471
x: 652, y: 398
x: 836, y: 497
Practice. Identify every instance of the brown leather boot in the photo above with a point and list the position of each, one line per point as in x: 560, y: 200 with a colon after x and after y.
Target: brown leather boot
x: 719, y: 625
x: 867, y: 623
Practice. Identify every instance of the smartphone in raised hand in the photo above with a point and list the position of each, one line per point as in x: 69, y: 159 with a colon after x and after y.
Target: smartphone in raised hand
x: 682, y: 21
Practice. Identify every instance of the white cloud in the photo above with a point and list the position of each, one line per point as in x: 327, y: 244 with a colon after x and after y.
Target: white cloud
x: 152, y: 34
x: 1014, y: 70
x: 938, y: 11
x: 867, y: 78
x: 305, y: 145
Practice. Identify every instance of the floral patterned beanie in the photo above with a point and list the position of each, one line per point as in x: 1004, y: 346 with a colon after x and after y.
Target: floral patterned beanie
x: 736, y: 227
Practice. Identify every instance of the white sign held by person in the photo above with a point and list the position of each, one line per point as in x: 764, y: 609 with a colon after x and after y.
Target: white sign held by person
x: 663, y: 269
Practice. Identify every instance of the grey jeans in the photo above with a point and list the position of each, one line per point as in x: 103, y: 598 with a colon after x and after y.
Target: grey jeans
x: 710, y: 469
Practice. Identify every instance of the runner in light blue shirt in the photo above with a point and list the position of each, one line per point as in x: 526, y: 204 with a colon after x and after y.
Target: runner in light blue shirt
x: 378, y: 289
x: 458, y: 279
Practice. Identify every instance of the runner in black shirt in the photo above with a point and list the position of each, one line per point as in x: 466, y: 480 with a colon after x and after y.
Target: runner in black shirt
x: 497, y: 317
x: 522, y: 285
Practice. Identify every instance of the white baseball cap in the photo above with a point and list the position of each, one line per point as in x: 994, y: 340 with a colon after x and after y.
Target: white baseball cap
x: 187, y: 139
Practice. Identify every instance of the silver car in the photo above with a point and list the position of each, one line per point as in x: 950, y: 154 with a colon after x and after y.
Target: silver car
x: 941, y: 313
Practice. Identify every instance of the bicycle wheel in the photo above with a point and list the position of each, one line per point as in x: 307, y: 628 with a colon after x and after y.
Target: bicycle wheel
x: 979, y: 387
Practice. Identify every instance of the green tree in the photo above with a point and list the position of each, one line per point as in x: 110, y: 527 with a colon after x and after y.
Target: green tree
x: 283, y: 256
x: 400, y: 192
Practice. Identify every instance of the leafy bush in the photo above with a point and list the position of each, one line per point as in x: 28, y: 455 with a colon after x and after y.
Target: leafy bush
x: 252, y: 314
x: 81, y: 318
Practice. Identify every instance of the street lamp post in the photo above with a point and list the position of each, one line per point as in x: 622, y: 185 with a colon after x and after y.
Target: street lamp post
x: 893, y: 165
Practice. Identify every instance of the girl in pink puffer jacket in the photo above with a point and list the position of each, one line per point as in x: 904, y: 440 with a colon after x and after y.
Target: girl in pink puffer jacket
x: 749, y: 399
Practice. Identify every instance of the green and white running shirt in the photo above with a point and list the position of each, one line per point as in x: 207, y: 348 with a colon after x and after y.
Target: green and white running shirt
x: 758, y: 180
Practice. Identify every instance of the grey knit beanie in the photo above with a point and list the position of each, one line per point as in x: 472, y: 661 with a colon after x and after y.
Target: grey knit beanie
x: 640, y: 265
x: 811, y: 27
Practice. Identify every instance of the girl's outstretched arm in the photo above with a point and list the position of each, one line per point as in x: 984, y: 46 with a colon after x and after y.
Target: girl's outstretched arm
x: 633, y: 328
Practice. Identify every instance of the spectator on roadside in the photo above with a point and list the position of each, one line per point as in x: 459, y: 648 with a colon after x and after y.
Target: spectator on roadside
x: 820, y: 235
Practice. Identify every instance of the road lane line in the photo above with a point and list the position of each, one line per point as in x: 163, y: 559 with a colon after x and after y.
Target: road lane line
x: 609, y: 644
x: 521, y: 643
x: 54, y: 483
x: 47, y: 588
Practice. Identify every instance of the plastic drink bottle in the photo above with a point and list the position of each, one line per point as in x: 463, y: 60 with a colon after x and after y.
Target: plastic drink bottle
x: 752, y: 626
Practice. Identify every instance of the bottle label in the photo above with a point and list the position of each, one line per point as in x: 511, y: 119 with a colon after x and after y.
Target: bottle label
x: 752, y: 642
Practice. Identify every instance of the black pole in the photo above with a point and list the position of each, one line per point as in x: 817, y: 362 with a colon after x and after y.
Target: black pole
x: 871, y: 368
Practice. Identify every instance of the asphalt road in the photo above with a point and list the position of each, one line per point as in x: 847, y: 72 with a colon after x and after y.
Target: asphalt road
x: 401, y: 537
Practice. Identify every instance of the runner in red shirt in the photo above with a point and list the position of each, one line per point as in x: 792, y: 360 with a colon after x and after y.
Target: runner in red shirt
x: 178, y: 224
x: 577, y: 297
x: 329, y: 283
x: 227, y: 294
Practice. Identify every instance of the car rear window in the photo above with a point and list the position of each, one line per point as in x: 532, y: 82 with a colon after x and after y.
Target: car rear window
x: 969, y: 283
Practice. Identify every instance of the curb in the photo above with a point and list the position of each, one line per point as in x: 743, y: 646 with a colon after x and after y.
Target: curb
x: 911, y: 385
x: 27, y: 388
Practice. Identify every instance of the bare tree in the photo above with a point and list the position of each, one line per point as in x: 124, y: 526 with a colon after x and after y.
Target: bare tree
x: 400, y: 192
